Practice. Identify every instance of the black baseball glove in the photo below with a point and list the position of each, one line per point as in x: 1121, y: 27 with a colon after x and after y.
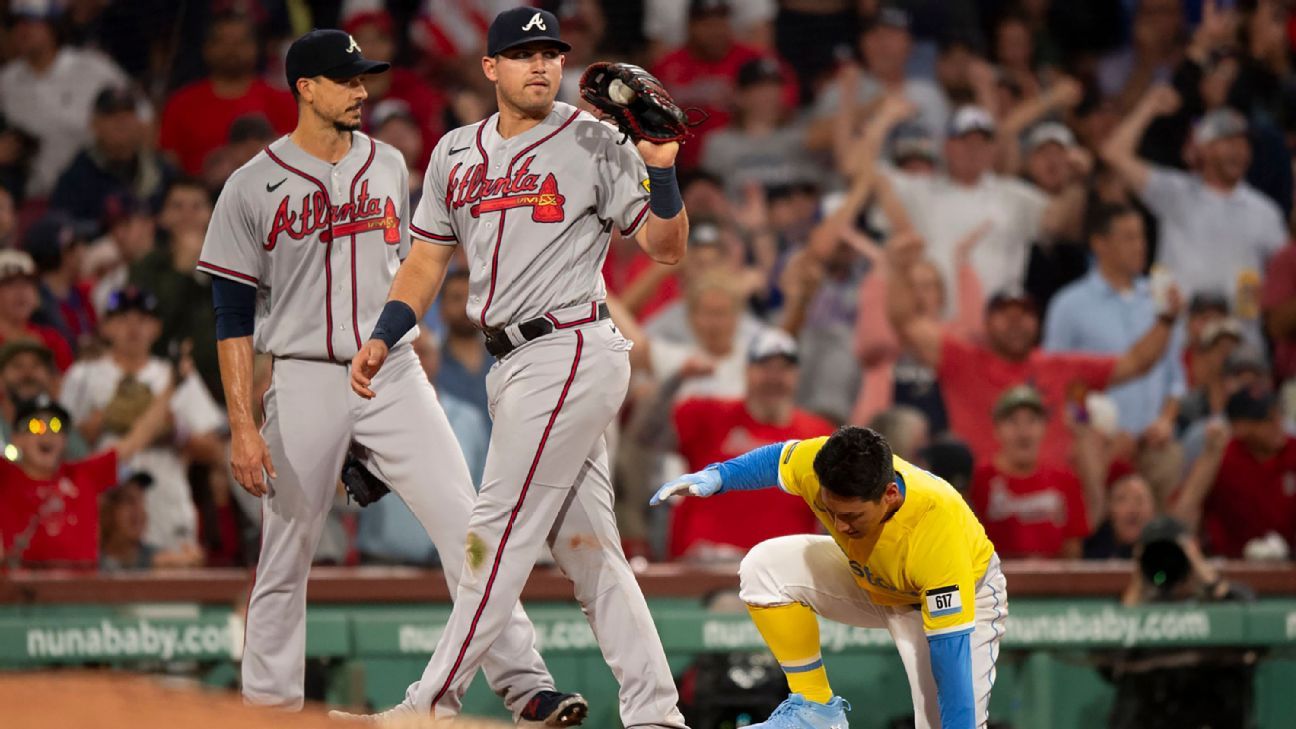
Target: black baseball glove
x: 636, y: 101
x: 361, y: 485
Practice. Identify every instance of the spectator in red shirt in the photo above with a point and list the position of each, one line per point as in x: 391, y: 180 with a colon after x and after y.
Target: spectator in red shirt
x: 197, y: 118
x: 704, y: 71
x: 973, y: 374
x: 372, y: 31
x: 1243, y: 486
x: 1030, y: 507
x: 49, y: 507
x: 712, y: 430
x: 19, y: 299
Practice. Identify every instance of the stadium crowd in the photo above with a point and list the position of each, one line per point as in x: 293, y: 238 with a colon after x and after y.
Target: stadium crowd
x: 1042, y: 246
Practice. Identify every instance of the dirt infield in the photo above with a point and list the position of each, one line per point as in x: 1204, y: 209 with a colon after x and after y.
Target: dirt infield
x: 66, y: 700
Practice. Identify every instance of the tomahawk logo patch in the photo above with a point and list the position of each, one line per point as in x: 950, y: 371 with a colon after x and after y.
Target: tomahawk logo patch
x: 944, y: 601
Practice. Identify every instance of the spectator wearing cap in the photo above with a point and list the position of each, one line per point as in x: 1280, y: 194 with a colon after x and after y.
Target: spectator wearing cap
x: 1278, y: 307
x: 48, y: 89
x: 968, y: 194
x: 425, y: 104
x: 1217, y: 351
x: 1216, y: 232
x: 1107, y: 312
x: 702, y: 73
x: 183, y: 294
x: 197, y: 117
x: 973, y: 374
x: 129, y: 235
x: 885, y: 46
x: 19, y: 300
x: 49, y: 510
x: 761, y: 145
x: 55, y: 244
x: 710, y: 430
x: 117, y: 161
x: 391, y: 122
x: 27, y: 373
x: 665, y: 23
x: 1204, y: 308
x: 1243, y: 487
x: 107, y: 395
x: 1030, y: 506
x: 123, y: 521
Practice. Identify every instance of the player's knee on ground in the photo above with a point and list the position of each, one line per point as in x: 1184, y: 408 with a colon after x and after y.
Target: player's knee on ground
x: 759, y: 580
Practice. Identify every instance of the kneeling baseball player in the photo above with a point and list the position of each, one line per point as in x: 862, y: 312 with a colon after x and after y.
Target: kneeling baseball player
x: 904, y: 553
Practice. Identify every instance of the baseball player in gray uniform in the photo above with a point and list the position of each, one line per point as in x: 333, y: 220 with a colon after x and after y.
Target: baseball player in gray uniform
x: 303, y: 244
x: 533, y: 194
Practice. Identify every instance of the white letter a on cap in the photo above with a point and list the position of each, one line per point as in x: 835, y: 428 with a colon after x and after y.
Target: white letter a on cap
x: 535, y: 22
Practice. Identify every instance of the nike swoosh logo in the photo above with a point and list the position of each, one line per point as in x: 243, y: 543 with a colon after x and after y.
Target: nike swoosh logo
x: 456, y: 151
x: 272, y: 188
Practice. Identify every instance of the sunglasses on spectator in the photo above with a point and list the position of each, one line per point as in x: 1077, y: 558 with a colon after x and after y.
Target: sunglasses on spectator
x: 41, y: 426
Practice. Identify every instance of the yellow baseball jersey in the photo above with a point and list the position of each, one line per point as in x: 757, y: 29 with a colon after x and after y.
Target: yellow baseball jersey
x: 930, y: 553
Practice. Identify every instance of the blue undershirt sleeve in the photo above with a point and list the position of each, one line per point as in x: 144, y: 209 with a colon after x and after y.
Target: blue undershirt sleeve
x: 235, y: 305
x: 951, y: 661
x: 756, y: 469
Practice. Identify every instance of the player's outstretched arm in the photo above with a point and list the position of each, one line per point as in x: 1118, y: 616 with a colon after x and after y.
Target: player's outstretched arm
x: 416, y: 285
x: 756, y: 469
x: 664, y: 237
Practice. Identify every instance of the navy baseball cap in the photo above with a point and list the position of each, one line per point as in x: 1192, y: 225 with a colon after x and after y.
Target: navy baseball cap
x: 131, y: 298
x: 523, y: 25
x: 328, y: 52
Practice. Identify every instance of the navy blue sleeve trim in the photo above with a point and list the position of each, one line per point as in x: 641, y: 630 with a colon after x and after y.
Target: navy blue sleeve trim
x: 235, y: 305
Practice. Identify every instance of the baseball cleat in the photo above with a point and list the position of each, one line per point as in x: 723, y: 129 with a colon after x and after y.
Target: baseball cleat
x: 797, y: 712
x: 395, y: 714
x: 551, y: 708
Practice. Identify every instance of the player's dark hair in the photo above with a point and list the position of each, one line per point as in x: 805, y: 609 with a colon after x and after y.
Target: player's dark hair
x: 1103, y: 215
x: 855, y: 462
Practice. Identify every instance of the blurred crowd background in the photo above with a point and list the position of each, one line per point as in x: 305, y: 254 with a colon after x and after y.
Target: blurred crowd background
x: 1043, y: 246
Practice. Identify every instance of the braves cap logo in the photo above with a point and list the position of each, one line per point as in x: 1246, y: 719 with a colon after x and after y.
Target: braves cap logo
x: 536, y: 21
x: 353, y: 47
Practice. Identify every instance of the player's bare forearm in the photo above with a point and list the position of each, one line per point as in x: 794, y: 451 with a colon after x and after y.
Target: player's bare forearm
x: 665, y: 240
x: 235, y: 355
x: 420, y: 276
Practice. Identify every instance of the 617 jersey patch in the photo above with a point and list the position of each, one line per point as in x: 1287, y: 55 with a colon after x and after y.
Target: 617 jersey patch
x: 944, y: 601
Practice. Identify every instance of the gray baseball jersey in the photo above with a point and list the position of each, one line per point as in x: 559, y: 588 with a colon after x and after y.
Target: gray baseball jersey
x: 320, y: 242
x: 534, y: 212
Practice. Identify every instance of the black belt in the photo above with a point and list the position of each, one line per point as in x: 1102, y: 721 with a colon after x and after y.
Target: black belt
x: 499, y: 344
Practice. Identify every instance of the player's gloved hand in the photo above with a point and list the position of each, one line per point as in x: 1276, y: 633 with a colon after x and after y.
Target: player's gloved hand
x: 703, y: 483
x: 365, y: 365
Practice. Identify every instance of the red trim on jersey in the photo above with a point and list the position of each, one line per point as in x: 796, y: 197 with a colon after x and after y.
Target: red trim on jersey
x: 642, y: 211
x: 430, y: 236
x: 508, y: 528
x: 228, y: 272
x: 480, y: 149
x: 593, y: 316
x: 355, y: 322
x: 328, y: 248
x: 499, y: 236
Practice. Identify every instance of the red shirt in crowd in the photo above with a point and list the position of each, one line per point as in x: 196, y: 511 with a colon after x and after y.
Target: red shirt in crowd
x: 717, y: 430
x: 54, y: 342
x: 709, y: 85
x: 1280, y: 287
x: 1029, y: 516
x: 972, y: 378
x: 196, y: 121
x: 1251, y: 498
x: 62, y: 512
x: 622, y: 268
